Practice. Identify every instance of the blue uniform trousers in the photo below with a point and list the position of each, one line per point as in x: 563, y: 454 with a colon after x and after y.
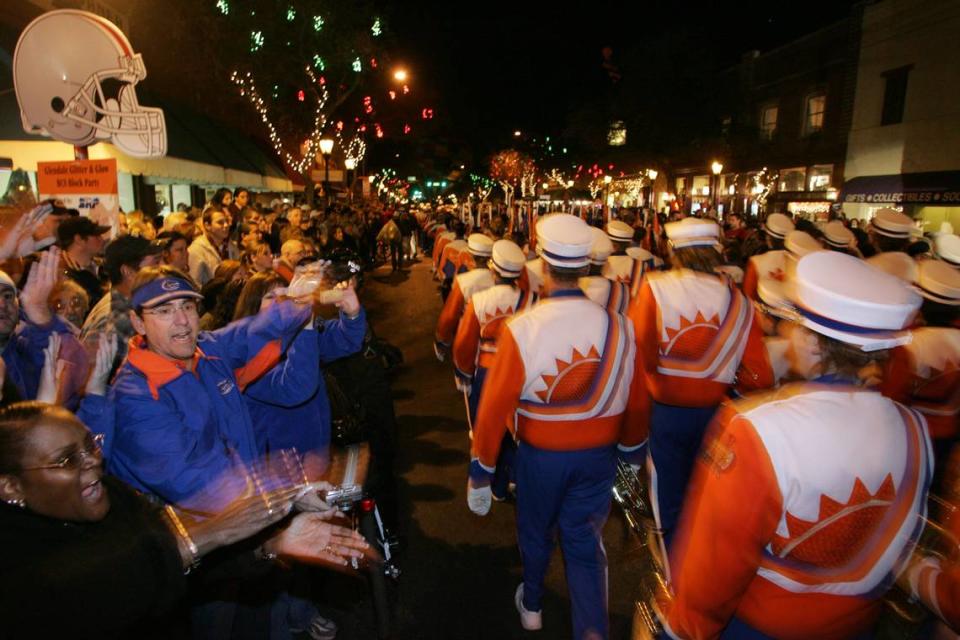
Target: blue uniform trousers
x: 566, y: 493
x: 508, y: 447
x: 675, y: 437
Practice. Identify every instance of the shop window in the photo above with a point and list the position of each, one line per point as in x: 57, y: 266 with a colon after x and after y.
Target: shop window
x: 816, y: 107
x: 793, y: 179
x: 894, y: 95
x: 819, y: 177
x: 768, y: 121
x: 680, y: 186
x: 701, y: 185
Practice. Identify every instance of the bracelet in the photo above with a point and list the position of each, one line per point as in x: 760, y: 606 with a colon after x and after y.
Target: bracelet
x: 185, y: 536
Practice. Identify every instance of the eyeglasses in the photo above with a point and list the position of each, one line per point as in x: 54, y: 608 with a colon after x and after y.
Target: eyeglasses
x: 92, y: 450
x: 168, y: 311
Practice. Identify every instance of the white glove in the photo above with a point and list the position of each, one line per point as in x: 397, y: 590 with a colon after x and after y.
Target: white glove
x: 441, y: 356
x: 479, y: 499
x: 462, y: 385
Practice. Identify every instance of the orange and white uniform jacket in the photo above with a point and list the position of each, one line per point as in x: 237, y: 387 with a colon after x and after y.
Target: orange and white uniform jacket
x: 697, y: 336
x: 630, y: 268
x: 803, y: 504
x: 531, y: 279
x: 607, y: 293
x: 464, y: 287
x: 485, y: 316
x: 451, y: 253
x: 925, y: 374
x: 771, y: 264
x: 442, y: 240
x: 561, y: 381
x: 465, y: 262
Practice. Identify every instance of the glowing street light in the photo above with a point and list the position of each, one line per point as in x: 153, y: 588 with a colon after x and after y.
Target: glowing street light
x: 400, y: 75
x: 517, y: 133
x: 326, y: 148
x: 716, y: 167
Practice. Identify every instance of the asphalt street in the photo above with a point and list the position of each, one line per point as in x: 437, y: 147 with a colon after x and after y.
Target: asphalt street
x: 459, y: 570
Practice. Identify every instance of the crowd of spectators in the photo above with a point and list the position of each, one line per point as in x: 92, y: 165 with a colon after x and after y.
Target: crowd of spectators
x: 163, y: 401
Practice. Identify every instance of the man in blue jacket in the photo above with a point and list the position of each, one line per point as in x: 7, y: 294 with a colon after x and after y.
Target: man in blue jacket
x: 183, y: 431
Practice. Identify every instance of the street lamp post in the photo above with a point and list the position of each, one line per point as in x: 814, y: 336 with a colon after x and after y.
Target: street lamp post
x: 326, y: 147
x: 717, y: 168
x: 350, y: 164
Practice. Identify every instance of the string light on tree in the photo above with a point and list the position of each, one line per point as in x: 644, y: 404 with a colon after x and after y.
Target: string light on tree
x: 318, y: 23
x: 357, y: 65
x: 256, y: 41
x: 224, y: 7
x: 318, y: 62
x: 376, y: 29
x: 291, y: 14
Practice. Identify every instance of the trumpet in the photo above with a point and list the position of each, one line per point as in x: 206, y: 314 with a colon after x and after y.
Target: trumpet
x: 630, y: 493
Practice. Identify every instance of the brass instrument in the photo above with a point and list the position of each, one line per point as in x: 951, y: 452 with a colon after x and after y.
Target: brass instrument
x: 630, y: 493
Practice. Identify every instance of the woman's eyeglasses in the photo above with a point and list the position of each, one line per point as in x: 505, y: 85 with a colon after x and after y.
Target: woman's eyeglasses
x: 92, y: 449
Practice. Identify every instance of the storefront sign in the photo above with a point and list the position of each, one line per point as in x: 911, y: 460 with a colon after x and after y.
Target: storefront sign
x: 936, y: 187
x: 90, y: 186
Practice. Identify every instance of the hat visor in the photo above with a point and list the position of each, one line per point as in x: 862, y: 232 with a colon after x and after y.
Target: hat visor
x: 872, y: 341
x: 695, y: 242
x: 167, y: 297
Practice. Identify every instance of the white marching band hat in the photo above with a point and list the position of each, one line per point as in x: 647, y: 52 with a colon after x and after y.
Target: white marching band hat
x: 837, y: 235
x: 619, y: 231
x: 778, y: 225
x: 800, y: 243
x: 601, y: 248
x: 508, y: 259
x: 692, y: 232
x: 897, y: 264
x: 564, y: 240
x: 844, y: 298
x: 479, y: 245
x: 893, y: 224
x: 939, y: 282
x: 947, y: 247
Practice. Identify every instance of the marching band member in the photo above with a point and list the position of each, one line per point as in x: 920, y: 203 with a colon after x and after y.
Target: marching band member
x: 531, y: 280
x: 561, y: 383
x: 838, y: 238
x: 771, y: 263
x: 925, y: 374
x: 627, y: 263
x: 449, y: 253
x: 946, y: 246
x: 606, y: 292
x: 443, y: 237
x: 464, y: 286
x: 805, y: 500
x: 475, y: 346
x: 696, y: 336
x: 890, y: 234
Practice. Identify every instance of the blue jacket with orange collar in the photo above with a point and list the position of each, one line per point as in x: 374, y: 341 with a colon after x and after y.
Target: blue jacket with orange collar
x: 186, y: 436
x: 280, y: 424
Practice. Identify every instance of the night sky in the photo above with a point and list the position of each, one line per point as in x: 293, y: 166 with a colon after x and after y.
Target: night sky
x: 497, y: 66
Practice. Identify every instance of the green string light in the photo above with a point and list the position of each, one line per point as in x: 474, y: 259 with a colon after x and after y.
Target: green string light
x: 318, y: 23
x: 318, y: 63
x: 291, y: 14
x: 223, y: 6
x: 256, y: 41
x: 376, y: 29
x: 357, y: 65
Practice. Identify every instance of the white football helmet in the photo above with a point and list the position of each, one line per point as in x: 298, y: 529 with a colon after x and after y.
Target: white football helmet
x: 75, y: 75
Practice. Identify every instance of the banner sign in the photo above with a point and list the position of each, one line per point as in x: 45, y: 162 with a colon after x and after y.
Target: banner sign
x: 89, y: 186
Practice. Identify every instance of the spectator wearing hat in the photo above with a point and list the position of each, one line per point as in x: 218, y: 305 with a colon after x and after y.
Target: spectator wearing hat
x: 806, y: 500
x: 81, y: 241
x: 464, y: 287
x: 45, y: 234
x: 769, y: 264
x: 608, y: 293
x: 924, y: 373
x: 561, y: 382
x: 205, y: 249
x: 123, y: 259
x: 697, y: 336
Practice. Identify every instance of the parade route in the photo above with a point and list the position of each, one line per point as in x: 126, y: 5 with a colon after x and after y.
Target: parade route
x: 459, y: 570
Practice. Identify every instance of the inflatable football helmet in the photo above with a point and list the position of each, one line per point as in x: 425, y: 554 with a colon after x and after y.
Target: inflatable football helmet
x: 75, y: 75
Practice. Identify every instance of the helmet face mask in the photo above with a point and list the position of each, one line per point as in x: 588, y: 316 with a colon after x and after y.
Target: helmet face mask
x: 76, y: 75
